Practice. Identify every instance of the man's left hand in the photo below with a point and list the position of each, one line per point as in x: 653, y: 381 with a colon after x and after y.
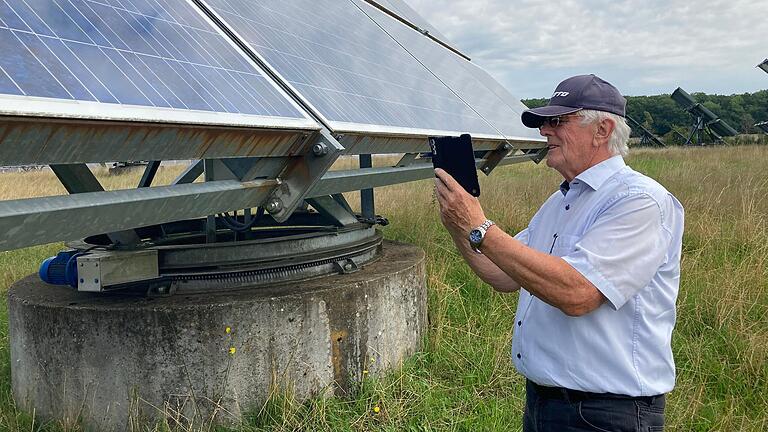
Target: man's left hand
x: 459, y: 211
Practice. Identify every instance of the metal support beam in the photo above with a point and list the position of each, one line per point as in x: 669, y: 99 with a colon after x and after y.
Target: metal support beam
x: 406, y: 160
x: 352, y: 180
x: 301, y: 175
x: 332, y: 210
x: 78, y: 178
x: 193, y: 171
x: 367, y: 204
x: 149, y: 174
x: 343, y: 202
x: 210, y: 220
x: 44, y: 220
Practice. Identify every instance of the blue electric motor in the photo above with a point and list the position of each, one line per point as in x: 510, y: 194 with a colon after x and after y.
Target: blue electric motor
x: 60, y: 269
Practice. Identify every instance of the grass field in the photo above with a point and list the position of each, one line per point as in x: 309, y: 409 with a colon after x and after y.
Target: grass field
x: 463, y: 380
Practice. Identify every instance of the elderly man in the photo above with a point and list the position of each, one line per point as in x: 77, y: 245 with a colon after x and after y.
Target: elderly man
x: 597, y: 269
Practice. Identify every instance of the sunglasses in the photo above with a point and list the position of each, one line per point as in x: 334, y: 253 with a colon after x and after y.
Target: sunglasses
x: 554, y: 122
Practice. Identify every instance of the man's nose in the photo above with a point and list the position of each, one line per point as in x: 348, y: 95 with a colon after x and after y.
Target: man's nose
x: 546, y: 130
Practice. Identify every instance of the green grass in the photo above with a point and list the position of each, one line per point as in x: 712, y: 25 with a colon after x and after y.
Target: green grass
x: 463, y: 380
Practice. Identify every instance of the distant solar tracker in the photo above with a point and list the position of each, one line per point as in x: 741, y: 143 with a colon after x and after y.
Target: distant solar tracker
x: 647, y: 138
x: 703, y: 118
x: 351, y: 73
x: 469, y: 82
x: 137, y: 59
x: 764, y: 65
x: 763, y: 126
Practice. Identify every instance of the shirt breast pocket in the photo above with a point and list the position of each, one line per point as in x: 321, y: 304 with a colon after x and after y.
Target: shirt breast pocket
x: 564, y: 244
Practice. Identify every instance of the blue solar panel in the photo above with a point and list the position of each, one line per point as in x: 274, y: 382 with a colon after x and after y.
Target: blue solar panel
x: 470, y: 82
x: 146, y: 53
x: 347, y: 68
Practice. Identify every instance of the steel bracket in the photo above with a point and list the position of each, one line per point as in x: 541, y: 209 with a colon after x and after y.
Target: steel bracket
x: 539, y: 155
x: 494, y: 157
x: 301, y: 174
x: 346, y: 266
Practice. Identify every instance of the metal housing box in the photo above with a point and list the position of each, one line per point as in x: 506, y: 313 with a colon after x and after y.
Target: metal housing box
x: 99, y: 270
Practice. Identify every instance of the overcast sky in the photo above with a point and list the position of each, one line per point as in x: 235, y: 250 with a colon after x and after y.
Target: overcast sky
x: 643, y: 47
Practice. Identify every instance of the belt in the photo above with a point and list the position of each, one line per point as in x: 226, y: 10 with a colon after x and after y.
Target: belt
x: 578, y: 395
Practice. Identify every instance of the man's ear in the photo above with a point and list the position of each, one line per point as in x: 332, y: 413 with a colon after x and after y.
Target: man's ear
x: 604, y: 130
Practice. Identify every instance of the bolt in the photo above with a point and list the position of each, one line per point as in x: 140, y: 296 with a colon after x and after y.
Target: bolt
x: 347, y: 266
x: 274, y: 206
x: 320, y: 149
x: 507, y: 146
x: 161, y: 290
x: 487, y: 170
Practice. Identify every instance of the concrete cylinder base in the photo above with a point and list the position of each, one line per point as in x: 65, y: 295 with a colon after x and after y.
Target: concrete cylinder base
x: 114, y: 362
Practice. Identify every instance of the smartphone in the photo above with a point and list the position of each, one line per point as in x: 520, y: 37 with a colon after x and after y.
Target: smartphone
x: 456, y: 157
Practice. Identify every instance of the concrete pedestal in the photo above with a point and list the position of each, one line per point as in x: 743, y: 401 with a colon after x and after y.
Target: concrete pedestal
x: 116, y: 362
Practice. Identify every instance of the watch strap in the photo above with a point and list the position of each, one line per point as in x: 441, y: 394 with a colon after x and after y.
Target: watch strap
x: 483, y: 229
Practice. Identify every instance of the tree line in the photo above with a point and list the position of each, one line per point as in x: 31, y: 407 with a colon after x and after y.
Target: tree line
x: 663, y: 116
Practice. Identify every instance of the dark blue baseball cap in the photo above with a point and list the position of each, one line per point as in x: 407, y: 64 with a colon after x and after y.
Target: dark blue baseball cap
x: 578, y: 93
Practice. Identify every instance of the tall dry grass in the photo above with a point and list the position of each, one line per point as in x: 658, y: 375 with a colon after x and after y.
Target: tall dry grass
x: 463, y: 379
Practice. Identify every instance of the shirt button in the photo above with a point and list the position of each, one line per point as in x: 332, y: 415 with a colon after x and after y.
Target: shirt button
x: 519, y: 323
x: 519, y: 356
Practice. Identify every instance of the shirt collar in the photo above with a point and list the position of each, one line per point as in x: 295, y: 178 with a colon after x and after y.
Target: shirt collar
x: 596, y: 175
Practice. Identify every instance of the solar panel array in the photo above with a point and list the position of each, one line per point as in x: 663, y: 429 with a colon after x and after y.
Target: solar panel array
x: 147, y: 53
x: 466, y: 79
x: 355, y: 67
x: 347, y: 68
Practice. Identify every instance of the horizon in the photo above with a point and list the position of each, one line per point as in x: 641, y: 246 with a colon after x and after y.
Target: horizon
x: 643, y: 47
x: 670, y: 93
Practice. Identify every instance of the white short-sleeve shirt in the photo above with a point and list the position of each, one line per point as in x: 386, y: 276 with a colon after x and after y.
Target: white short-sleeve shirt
x: 623, y: 232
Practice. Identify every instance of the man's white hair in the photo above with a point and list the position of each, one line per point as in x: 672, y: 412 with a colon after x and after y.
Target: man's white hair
x: 617, y: 144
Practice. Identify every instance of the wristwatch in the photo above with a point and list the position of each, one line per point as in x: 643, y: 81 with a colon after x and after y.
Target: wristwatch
x: 477, y: 235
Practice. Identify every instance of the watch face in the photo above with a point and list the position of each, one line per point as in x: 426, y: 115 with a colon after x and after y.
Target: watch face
x: 475, y: 236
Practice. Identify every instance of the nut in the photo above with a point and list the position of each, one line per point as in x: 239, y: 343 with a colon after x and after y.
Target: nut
x: 274, y: 206
x: 320, y: 149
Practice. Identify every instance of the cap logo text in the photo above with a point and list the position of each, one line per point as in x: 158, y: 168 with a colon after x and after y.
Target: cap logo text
x: 560, y: 94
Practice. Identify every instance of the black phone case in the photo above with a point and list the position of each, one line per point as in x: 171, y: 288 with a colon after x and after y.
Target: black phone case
x: 456, y: 157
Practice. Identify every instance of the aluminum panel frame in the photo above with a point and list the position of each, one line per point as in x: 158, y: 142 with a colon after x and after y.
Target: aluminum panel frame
x: 28, y: 141
x: 44, y: 108
x: 381, y: 144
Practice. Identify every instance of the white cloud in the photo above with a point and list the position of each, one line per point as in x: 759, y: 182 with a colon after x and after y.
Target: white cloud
x: 644, y: 46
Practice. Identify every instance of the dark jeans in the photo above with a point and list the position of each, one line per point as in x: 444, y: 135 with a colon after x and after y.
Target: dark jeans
x: 550, y: 409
